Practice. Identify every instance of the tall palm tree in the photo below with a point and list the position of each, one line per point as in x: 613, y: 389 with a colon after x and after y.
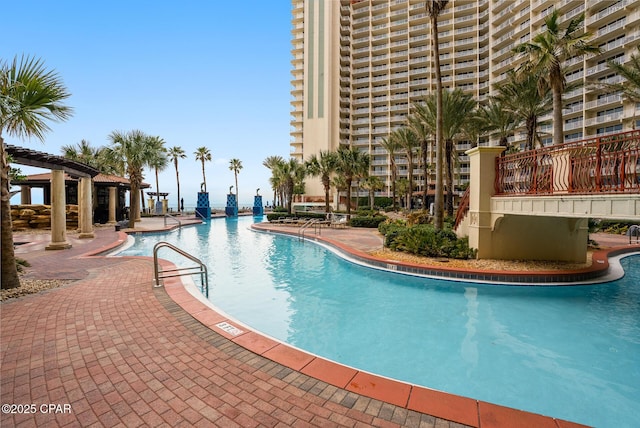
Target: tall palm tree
x: 235, y: 165
x: 98, y: 158
x: 391, y: 145
x: 159, y: 160
x: 521, y: 95
x: 351, y: 164
x: 272, y: 163
x: 497, y: 120
x: 371, y: 184
x: 323, y: 165
x: 458, y: 108
x: 630, y: 72
x: 176, y: 153
x: 408, y: 141
x: 30, y: 96
x: 547, y: 52
x: 203, y: 155
x: 136, y: 150
x: 433, y: 9
x: 292, y: 175
x: 424, y: 132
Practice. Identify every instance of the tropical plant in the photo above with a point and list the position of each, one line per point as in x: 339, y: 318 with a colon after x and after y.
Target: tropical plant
x: 424, y: 132
x: 372, y: 184
x: 99, y: 158
x: 351, y: 164
x: 402, y: 186
x: 203, y: 155
x: 292, y: 175
x: 546, y: 53
x: 30, y: 96
x: 136, y: 150
x: 408, y: 141
x: 175, y: 153
x: 520, y: 95
x: 323, y: 164
x: 159, y: 160
x: 497, y: 120
x: 235, y: 165
x: 458, y: 108
x: 433, y: 8
x: 391, y: 145
x: 630, y: 72
x: 272, y: 163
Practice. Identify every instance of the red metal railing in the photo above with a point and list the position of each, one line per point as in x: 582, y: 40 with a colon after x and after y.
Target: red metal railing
x: 607, y: 164
x: 463, y: 207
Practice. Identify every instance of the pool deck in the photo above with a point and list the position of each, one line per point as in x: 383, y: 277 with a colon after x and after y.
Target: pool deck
x: 112, y: 350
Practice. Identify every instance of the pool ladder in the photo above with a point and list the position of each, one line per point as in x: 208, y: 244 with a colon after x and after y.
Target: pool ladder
x: 160, y: 274
x: 312, y: 222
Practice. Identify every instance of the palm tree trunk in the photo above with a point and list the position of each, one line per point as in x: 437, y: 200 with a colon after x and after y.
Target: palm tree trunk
x: 204, y: 179
x: 178, y: 184
x: 9, y: 270
x: 426, y: 172
x: 157, y: 186
x: 449, y: 159
x: 558, y: 128
x: 348, y: 182
x: 439, y: 205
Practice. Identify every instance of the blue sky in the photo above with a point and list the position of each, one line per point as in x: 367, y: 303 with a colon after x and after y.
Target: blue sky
x: 195, y: 73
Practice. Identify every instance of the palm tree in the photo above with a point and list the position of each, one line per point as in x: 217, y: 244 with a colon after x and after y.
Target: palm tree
x: 433, y: 9
x: 392, y: 147
x: 372, y: 183
x: 323, y: 165
x: 408, y: 141
x: 235, y: 165
x: 423, y: 131
x: 292, y: 175
x: 546, y: 53
x: 99, y: 158
x: 272, y: 163
x: 458, y: 107
x: 203, y: 154
x: 30, y: 96
x: 159, y: 160
x: 497, y: 120
x: 630, y: 87
x: 521, y: 96
x: 176, y: 153
x: 136, y: 150
x: 351, y: 163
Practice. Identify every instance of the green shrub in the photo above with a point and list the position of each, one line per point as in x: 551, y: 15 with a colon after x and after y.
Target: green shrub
x: 367, y: 221
x: 419, y: 217
x: 425, y: 240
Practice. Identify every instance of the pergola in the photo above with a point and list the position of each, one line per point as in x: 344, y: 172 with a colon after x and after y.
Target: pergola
x: 59, y: 166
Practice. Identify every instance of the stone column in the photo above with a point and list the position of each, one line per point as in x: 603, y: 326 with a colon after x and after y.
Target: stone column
x: 25, y: 194
x: 85, y: 206
x: 482, y: 181
x: 58, y: 213
x: 113, y: 199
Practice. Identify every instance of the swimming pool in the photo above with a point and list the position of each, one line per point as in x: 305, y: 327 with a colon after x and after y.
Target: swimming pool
x: 567, y: 352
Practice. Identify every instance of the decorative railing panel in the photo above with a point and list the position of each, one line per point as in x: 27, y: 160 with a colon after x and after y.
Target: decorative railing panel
x: 607, y: 164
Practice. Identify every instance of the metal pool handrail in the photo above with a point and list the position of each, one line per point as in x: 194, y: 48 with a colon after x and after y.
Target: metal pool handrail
x: 170, y: 216
x: 161, y: 274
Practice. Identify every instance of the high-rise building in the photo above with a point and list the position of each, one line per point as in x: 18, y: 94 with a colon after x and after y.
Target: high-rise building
x: 360, y: 65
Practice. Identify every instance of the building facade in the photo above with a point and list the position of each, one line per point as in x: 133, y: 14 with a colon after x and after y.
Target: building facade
x: 358, y: 66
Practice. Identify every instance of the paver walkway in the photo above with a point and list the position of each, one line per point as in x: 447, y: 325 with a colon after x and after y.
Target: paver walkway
x: 110, y: 350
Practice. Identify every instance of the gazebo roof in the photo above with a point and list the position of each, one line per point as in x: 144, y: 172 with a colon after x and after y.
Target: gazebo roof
x: 24, y: 156
x: 105, y: 179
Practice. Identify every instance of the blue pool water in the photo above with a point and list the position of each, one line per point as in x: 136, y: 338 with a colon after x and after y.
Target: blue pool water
x: 568, y: 352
